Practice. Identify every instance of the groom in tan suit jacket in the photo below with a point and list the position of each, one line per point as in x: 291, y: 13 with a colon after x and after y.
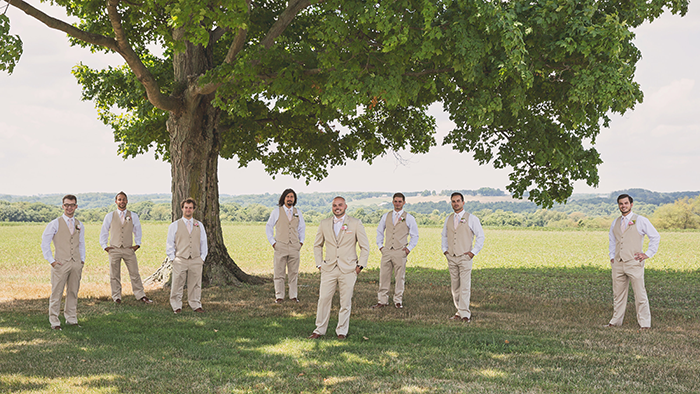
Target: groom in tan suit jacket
x: 340, y: 267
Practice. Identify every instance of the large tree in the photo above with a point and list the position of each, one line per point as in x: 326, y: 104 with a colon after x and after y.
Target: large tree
x: 304, y: 85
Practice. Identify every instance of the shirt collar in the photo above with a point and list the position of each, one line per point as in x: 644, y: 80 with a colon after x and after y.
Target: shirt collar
x: 398, y: 213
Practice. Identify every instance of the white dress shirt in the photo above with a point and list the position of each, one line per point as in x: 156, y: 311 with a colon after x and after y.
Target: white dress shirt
x: 272, y: 221
x: 107, y: 223
x: 474, y: 225
x: 410, y: 222
x: 170, y: 241
x: 51, y: 230
x: 644, y: 227
x: 337, y: 225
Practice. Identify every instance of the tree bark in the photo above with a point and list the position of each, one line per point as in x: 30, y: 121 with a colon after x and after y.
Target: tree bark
x: 194, y: 156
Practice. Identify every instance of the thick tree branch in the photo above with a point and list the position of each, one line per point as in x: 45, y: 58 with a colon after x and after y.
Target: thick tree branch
x: 53, y: 23
x: 217, y: 34
x: 236, y: 46
x: 158, y: 99
x: 238, y: 41
x: 287, y: 16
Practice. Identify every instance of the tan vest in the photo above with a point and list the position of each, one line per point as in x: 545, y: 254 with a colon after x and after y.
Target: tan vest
x: 396, y: 237
x: 187, y: 244
x: 629, y: 242
x: 67, y: 245
x: 286, y: 231
x: 121, y: 235
x: 459, y: 240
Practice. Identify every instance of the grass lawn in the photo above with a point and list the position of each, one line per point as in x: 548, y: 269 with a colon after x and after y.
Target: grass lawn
x: 539, y: 301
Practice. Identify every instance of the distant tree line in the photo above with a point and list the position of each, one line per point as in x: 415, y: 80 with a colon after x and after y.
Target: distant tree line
x: 597, y: 212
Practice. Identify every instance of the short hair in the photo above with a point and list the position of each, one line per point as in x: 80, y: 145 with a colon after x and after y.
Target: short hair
x: 188, y: 201
x: 340, y: 197
x: 69, y: 197
x: 399, y: 195
x: 121, y: 193
x: 284, y: 195
x: 621, y: 196
x: 457, y: 194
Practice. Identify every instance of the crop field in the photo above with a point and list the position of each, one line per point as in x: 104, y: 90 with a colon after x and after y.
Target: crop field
x: 539, y: 302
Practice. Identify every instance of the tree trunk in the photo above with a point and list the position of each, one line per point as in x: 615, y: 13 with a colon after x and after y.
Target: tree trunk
x: 194, y: 157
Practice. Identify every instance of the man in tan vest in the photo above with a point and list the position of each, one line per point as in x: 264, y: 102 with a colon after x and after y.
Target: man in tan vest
x: 68, y: 236
x: 627, y: 261
x: 285, y: 231
x: 186, y: 246
x: 341, y: 266
x: 122, y: 229
x: 460, y: 247
x: 398, y: 225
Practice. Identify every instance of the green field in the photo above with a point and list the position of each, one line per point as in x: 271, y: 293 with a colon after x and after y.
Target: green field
x: 539, y: 299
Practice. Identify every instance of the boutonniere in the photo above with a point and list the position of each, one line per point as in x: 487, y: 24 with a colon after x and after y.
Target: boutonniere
x: 402, y: 219
x: 462, y: 220
x: 631, y: 223
x: 296, y: 215
x: 345, y: 227
x: 196, y: 224
x: 77, y: 227
x: 128, y: 218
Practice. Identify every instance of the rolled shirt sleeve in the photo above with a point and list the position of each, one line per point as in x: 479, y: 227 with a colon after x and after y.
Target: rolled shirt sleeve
x: 46, y: 239
x: 412, y: 231
x: 270, y: 226
x: 203, y: 247
x: 170, y: 240
x: 104, y: 231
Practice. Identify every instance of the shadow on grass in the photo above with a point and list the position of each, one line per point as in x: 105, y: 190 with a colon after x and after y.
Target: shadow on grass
x: 533, y: 330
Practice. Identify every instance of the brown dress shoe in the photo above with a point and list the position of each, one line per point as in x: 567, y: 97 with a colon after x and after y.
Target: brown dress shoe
x: 341, y: 337
x: 398, y: 305
x: 609, y: 325
x: 466, y: 320
x: 199, y: 310
x: 279, y: 301
x: 378, y: 305
x: 294, y: 299
x: 314, y: 336
x: 57, y: 328
x: 118, y: 301
x: 178, y: 310
x: 146, y: 300
x: 456, y: 316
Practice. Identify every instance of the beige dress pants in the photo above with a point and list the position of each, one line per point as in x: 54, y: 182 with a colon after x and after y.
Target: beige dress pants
x: 393, y: 260
x: 286, y: 259
x: 461, y: 277
x: 346, y: 284
x: 116, y: 255
x: 187, y: 271
x: 67, y: 275
x: 624, y: 272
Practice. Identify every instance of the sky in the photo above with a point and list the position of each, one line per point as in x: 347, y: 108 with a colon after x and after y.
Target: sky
x: 52, y: 142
